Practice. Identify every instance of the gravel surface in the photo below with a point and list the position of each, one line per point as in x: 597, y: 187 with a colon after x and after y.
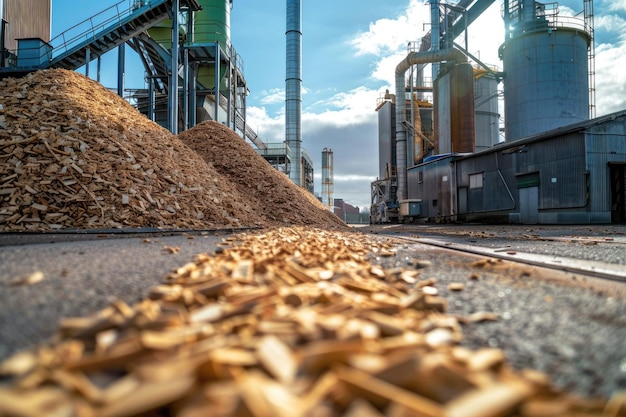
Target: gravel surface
x: 605, y: 243
x: 572, y: 328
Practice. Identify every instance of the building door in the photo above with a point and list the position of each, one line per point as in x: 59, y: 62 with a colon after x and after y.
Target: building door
x: 618, y: 193
x: 528, y: 192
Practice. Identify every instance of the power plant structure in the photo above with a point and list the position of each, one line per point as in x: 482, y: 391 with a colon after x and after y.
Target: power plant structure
x: 327, y: 178
x: 444, y: 153
x: 193, y: 72
x: 451, y: 160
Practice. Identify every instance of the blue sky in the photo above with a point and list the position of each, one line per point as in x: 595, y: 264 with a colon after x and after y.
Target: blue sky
x: 350, y: 50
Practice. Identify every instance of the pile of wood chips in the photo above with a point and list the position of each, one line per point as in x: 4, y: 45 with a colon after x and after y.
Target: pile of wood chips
x: 74, y: 155
x: 291, y: 322
x: 271, y: 194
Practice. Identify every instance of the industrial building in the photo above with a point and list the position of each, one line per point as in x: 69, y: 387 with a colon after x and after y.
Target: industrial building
x: 193, y: 72
x: 452, y: 160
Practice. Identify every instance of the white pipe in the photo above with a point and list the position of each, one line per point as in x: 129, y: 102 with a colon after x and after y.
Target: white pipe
x: 413, y: 58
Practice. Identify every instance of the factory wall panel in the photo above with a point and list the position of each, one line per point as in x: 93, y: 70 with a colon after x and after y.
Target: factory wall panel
x: 27, y: 19
x: 436, y: 186
x: 606, y: 144
x: 496, y: 181
x: 563, y: 177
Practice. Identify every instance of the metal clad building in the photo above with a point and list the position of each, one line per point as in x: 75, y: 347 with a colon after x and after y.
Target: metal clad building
x: 572, y: 175
x: 434, y: 183
x: 26, y: 19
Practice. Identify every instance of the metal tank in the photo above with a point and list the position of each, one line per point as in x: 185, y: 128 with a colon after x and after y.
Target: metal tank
x: 486, y: 109
x: 210, y: 25
x: 454, y: 104
x: 546, y: 72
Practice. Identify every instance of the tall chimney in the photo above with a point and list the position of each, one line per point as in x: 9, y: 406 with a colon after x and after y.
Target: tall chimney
x: 293, y: 86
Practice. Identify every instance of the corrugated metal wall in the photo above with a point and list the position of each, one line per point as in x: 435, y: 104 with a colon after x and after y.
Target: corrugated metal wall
x: 605, y: 144
x: 569, y: 176
x: 498, y: 191
x: 27, y: 19
x: 434, y: 183
x: 562, y: 170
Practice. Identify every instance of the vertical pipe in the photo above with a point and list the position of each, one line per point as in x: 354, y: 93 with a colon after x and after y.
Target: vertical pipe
x: 293, y: 85
x: 434, y: 34
x: 87, y: 60
x: 99, y: 68
x: 151, y: 82
x: 218, y: 58
x: 121, y: 68
x: 413, y: 58
x: 192, y: 95
x: 173, y: 92
x: 185, y: 89
x: 229, y: 98
x: 3, y: 28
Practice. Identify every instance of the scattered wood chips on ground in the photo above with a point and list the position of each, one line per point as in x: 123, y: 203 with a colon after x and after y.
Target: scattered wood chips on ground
x: 289, y: 322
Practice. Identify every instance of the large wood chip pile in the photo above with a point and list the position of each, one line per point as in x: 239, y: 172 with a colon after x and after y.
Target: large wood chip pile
x: 292, y: 322
x: 269, y: 191
x: 74, y: 155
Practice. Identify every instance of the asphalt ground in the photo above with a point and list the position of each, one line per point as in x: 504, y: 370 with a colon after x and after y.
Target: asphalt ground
x: 570, y: 327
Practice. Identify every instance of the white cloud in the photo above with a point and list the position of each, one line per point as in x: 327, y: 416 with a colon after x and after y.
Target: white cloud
x: 273, y: 96
x: 389, y: 35
x: 345, y: 108
x: 610, y: 78
x: 617, y: 6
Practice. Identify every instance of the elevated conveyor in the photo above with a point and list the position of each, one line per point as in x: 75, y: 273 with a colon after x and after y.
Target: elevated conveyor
x: 107, y: 30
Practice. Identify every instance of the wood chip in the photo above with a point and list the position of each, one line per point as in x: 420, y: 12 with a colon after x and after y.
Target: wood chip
x: 30, y: 279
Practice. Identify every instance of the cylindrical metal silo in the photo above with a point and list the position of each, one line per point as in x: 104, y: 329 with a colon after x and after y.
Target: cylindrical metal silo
x: 545, y: 71
x: 454, y: 103
x: 486, y: 109
x: 212, y: 25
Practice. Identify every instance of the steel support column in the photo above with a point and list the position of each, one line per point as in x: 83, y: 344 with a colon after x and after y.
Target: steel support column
x: 173, y: 91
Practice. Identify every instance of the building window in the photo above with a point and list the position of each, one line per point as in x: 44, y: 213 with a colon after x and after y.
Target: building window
x: 476, y: 180
x: 420, y: 177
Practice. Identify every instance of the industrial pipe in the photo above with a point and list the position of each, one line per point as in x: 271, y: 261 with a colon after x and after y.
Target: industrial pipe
x: 413, y: 58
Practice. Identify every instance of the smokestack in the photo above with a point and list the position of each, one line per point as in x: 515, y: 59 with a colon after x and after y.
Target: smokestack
x: 293, y: 86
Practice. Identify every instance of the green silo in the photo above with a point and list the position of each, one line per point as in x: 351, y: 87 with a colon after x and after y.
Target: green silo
x: 212, y: 25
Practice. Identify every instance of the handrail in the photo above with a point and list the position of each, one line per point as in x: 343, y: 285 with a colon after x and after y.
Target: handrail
x: 89, y: 29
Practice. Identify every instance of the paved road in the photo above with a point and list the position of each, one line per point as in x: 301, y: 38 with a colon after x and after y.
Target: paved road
x: 82, y: 273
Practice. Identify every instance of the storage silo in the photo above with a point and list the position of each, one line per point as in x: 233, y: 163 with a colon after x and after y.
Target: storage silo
x: 486, y: 109
x: 212, y: 25
x: 545, y: 62
x: 454, y: 123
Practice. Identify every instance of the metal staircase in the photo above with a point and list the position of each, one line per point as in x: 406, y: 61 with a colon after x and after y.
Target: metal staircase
x: 156, y: 59
x: 107, y: 30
